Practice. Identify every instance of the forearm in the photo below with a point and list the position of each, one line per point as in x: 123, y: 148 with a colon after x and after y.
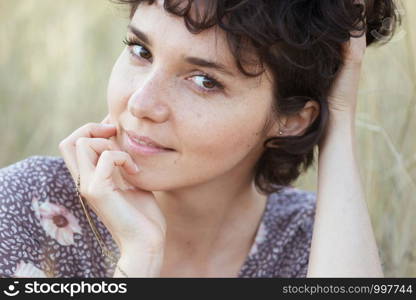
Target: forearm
x: 343, y: 243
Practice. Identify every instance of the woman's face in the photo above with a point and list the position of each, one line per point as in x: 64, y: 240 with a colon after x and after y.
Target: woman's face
x: 155, y: 90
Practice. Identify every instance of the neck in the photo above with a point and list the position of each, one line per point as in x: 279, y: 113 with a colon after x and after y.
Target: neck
x: 217, y: 218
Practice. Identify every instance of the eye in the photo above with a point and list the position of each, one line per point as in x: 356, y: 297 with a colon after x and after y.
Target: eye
x: 207, y: 83
x: 137, y: 49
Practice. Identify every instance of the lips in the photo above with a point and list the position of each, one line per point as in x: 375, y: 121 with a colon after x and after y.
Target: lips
x: 146, y: 141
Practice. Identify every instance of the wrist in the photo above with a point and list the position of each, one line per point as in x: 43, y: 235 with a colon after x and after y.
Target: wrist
x: 148, y: 248
x: 342, y: 116
x: 137, y: 264
x: 340, y: 127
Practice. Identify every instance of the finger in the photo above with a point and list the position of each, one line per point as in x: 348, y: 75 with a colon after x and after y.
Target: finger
x: 67, y: 146
x: 360, y: 34
x: 107, y: 120
x: 88, y: 150
x: 107, y: 163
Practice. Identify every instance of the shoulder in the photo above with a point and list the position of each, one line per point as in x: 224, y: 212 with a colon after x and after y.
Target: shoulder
x: 33, y: 177
x: 292, y: 204
x: 35, y: 174
x: 26, y: 184
x: 22, y: 185
x: 33, y: 164
x: 45, y: 178
x: 288, y: 226
x: 43, y: 229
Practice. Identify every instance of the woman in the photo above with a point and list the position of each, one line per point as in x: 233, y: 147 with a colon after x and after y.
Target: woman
x: 214, y: 109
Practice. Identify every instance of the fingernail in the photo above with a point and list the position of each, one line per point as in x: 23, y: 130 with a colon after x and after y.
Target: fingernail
x: 136, y: 167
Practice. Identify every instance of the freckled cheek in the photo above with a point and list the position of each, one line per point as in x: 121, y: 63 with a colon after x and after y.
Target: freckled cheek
x: 220, y: 141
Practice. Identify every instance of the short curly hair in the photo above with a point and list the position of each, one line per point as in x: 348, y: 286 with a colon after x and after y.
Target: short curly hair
x: 300, y: 41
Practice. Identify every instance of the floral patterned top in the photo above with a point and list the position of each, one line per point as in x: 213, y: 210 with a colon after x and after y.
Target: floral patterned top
x: 45, y: 233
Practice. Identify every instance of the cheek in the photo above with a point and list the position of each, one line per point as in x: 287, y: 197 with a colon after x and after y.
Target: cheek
x: 120, y: 86
x: 223, y: 140
x: 209, y: 148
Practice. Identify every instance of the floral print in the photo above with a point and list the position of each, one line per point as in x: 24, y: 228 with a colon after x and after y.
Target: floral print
x: 45, y: 233
x: 28, y: 270
x: 57, y: 221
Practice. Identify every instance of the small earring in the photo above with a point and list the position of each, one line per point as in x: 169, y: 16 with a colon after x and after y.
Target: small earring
x: 280, y: 132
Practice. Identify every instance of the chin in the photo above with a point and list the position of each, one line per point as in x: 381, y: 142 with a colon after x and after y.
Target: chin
x: 135, y: 180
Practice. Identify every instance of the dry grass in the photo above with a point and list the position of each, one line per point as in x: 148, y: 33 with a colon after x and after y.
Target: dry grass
x: 56, y: 57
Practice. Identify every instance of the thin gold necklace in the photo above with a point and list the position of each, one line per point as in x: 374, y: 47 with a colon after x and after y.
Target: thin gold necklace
x: 104, y: 250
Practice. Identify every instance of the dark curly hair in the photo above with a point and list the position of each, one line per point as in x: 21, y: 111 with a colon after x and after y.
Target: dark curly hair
x: 300, y: 41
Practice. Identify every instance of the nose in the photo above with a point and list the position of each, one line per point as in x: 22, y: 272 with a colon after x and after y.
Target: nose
x: 148, y: 100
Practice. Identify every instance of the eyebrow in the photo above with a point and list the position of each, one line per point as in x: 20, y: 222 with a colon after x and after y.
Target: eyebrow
x: 197, y: 61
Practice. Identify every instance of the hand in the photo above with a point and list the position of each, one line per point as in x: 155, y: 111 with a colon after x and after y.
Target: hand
x: 131, y: 215
x: 342, y: 98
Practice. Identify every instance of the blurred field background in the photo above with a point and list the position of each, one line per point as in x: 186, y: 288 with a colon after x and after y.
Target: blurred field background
x: 56, y: 57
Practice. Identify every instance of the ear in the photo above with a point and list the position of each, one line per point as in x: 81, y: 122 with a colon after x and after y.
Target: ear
x: 297, y: 124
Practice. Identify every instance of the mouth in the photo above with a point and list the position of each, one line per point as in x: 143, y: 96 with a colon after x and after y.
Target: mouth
x: 144, y: 146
